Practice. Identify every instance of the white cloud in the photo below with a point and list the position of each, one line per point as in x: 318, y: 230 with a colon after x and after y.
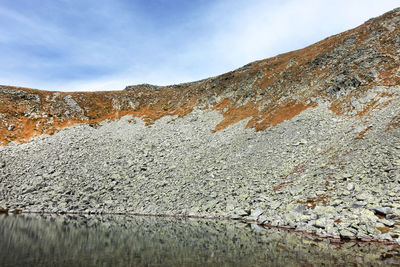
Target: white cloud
x: 233, y: 33
x: 263, y: 28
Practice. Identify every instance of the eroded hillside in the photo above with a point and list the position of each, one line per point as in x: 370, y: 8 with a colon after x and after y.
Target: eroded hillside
x: 340, y: 70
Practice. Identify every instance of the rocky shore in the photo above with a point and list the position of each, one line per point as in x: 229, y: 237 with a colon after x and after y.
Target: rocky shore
x: 317, y: 153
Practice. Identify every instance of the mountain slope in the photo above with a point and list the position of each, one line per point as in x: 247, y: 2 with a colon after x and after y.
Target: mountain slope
x: 340, y: 70
x: 308, y: 139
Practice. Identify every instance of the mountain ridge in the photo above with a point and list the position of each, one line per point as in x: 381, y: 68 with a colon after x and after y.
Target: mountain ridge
x: 256, y: 90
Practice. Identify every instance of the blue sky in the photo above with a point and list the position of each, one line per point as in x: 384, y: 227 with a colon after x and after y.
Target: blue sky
x: 79, y: 45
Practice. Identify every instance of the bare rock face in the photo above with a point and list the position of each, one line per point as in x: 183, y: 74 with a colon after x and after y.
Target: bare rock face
x: 311, y: 138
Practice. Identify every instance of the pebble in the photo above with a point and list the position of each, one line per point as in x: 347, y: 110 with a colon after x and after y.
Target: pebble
x: 350, y: 186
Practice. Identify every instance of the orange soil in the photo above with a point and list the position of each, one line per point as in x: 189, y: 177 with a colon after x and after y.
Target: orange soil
x: 236, y: 114
x: 394, y: 123
x: 362, y: 133
x: 313, y: 201
x: 279, y: 115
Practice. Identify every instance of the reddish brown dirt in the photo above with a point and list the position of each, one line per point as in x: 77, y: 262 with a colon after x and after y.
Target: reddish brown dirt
x: 313, y: 201
x: 394, y: 123
x: 281, y: 185
x: 362, y: 133
x: 383, y: 230
x: 236, y: 114
x: 279, y: 115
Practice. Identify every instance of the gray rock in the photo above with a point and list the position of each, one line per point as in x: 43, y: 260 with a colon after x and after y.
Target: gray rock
x: 345, y: 176
x: 350, y: 187
x: 387, y: 222
x: 257, y: 228
x: 363, y: 196
x: 359, y: 204
x: 382, y: 210
x: 255, y: 213
x: 320, y: 223
x: 385, y: 236
x: 240, y: 212
x: 325, y: 210
x: 262, y: 219
x: 367, y: 216
x: 346, y: 233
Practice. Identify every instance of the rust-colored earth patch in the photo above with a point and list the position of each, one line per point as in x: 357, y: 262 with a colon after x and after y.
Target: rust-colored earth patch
x: 313, y: 201
x: 279, y: 114
x: 281, y: 185
x: 362, y: 133
x: 394, y: 123
x: 383, y: 230
x: 236, y: 114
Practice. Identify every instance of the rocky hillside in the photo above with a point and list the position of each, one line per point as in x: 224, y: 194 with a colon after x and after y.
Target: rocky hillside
x: 309, y: 139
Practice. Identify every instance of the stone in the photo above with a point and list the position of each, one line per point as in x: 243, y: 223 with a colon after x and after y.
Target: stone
x: 256, y: 227
x: 240, y: 212
x: 255, y: 213
x: 262, y: 219
x: 345, y: 176
x: 387, y: 222
x: 359, y: 204
x: 305, y: 218
x: 385, y: 236
x: 381, y: 210
x: 350, y: 187
x: 345, y: 192
x: 325, y: 210
x: 320, y: 223
x: 367, y: 216
x: 291, y: 216
x: 346, y: 233
x: 337, y: 202
x: 379, y: 225
x: 363, y: 196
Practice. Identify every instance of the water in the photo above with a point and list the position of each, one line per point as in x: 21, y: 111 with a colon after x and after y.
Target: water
x: 63, y: 240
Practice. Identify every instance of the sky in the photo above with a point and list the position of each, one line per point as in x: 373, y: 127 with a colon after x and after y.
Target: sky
x: 90, y: 45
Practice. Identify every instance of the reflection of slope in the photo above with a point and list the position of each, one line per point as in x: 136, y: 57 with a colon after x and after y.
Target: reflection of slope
x: 143, y: 241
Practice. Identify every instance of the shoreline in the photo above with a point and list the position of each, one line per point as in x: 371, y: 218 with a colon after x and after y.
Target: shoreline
x: 332, y: 239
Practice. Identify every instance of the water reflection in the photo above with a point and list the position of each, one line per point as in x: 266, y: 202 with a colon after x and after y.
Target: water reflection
x: 50, y: 240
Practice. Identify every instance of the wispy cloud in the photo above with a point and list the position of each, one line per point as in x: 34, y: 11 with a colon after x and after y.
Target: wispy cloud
x: 106, y: 45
